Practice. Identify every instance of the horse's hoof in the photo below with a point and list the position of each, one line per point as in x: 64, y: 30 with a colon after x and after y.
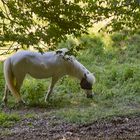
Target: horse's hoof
x: 90, y: 96
x: 47, y: 100
x: 19, y: 104
x: 22, y: 103
x: 3, y: 105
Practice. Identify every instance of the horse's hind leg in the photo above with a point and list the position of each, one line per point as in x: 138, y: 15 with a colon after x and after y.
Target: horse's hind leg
x: 17, y: 85
x: 4, y: 99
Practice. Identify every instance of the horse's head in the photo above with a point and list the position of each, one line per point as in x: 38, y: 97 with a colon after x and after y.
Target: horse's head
x: 86, y: 83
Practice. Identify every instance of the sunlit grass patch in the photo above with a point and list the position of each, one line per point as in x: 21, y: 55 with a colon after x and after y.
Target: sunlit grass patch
x: 93, y: 113
x: 7, y: 120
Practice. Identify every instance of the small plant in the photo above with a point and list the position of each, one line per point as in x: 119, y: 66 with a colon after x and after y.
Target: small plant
x: 7, y: 120
x: 34, y: 94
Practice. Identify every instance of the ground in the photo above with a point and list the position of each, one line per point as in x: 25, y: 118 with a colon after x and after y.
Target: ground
x: 41, y: 126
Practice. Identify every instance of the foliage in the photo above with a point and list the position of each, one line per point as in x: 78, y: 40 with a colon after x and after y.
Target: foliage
x: 37, y: 22
x: 35, y: 94
x: 42, y: 24
x: 122, y: 14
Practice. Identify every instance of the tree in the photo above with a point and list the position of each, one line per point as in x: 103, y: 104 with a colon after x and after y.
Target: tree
x: 37, y: 23
x: 123, y: 14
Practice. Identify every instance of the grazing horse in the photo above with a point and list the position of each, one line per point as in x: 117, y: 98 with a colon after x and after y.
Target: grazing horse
x: 54, y: 64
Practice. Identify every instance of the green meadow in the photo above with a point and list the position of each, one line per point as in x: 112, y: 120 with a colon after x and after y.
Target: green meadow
x: 115, y: 62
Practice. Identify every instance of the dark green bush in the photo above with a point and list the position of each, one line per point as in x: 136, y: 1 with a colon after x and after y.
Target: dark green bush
x: 34, y: 93
x: 7, y: 120
x: 119, y: 36
x: 93, y: 43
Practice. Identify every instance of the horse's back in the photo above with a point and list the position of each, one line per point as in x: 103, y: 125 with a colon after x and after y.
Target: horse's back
x: 36, y: 64
x: 29, y: 56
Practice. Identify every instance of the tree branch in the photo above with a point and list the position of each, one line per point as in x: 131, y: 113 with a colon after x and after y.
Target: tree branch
x: 6, y: 52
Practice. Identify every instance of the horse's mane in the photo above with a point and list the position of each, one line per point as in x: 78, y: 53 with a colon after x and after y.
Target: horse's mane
x: 64, y: 53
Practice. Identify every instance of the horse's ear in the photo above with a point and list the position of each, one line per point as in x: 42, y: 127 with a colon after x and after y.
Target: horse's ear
x: 85, y: 76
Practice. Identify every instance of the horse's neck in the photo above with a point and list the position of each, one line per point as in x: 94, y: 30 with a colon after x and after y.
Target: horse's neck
x: 77, y: 70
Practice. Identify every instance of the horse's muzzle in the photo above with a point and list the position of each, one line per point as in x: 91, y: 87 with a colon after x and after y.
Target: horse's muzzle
x: 89, y: 93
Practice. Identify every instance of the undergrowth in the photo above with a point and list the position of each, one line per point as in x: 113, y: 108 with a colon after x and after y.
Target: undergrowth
x: 115, y: 62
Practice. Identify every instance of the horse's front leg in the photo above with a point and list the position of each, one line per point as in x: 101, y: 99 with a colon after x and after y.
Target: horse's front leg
x: 53, y: 82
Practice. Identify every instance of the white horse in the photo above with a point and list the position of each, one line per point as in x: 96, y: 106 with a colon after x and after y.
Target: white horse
x: 53, y: 64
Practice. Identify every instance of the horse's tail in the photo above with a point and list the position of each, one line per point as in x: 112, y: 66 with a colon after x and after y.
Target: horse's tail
x: 9, y: 78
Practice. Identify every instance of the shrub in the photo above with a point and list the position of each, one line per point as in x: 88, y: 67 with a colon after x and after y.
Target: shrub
x: 7, y: 120
x: 34, y: 93
x: 93, y: 43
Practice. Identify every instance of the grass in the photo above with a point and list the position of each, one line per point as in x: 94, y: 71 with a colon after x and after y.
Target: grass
x: 7, y: 120
x: 115, y: 62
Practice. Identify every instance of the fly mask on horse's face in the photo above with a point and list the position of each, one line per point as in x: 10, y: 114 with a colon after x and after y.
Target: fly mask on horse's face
x: 86, y: 84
